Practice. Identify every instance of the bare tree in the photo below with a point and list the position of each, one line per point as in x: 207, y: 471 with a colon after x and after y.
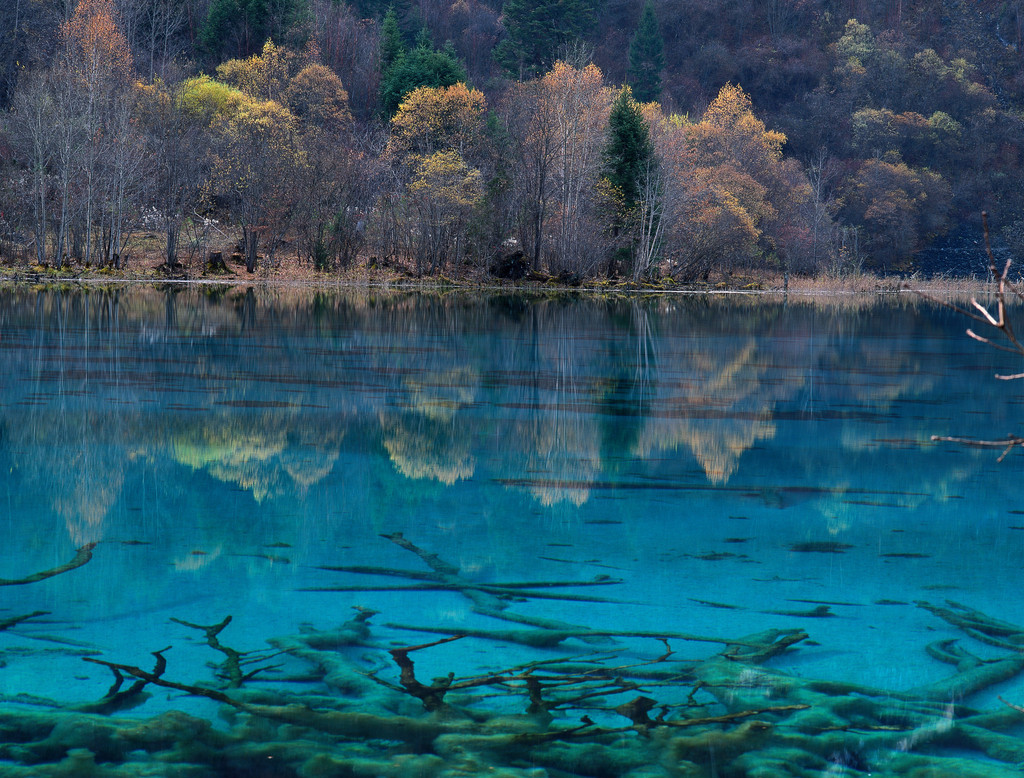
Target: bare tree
x: 351, y: 48
x: 530, y: 119
x: 1004, y: 337
x: 649, y: 227
x: 33, y: 132
x: 557, y: 125
x: 179, y: 164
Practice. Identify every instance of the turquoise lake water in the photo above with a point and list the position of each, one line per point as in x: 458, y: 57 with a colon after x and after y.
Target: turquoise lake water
x: 672, y: 467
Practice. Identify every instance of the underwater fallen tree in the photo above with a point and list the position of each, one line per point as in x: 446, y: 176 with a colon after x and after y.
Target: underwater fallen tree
x: 349, y: 701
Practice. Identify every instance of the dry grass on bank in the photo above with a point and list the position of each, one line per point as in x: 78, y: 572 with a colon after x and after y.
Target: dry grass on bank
x: 145, y: 265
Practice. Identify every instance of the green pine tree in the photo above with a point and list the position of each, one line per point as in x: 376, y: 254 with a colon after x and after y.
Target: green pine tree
x: 629, y: 167
x: 391, y: 47
x: 647, y: 56
x: 423, y: 66
x: 629, y: 156
x: 537, y: 29
x: 239, y: 28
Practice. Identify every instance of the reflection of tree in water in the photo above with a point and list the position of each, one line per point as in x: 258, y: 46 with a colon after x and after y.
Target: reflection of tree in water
x: 86, y: 489
x: 95, y: 379
x: 268, y: 455
x: 556, y: 445
x: 421, y: 446
x: 718, y: 408
x: 439, y: 394
x: 422, y: 342
x: 82, y: 463
x: 574, y: 389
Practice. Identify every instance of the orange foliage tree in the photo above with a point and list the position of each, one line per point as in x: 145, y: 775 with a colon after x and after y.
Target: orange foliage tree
x: 100, y: 153
x: 729, y: 197
x: 901, y: 206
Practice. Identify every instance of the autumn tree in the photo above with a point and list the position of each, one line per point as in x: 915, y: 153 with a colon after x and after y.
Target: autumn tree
x: 257, y: 155
x: 317, y: 97
x: 557, y: 125
x: 435, y: 135
x: 264, y: 76
x: 433, y: 119
x: 98, y: 153
x: 721, y: 183
x: 647, y: 56
x: 900, y: 207
x: 310, y: 90
x: 741, y: 186
x: 443, y: 190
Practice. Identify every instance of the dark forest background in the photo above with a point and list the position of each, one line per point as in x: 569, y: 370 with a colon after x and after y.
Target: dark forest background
x: 796, y: 135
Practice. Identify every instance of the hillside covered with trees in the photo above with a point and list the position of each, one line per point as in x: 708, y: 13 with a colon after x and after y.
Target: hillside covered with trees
x: 578, y: 138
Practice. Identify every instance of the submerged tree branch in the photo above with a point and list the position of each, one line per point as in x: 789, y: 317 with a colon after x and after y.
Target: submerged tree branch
x: 83, y: 555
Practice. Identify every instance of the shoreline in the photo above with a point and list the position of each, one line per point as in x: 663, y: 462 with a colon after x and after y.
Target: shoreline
x: 822, y: 287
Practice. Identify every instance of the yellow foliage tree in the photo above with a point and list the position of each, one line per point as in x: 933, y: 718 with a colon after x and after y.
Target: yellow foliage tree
x: 730, y: 134
x: 264, y: 76
x: 432, y: 119
x: 317, y: 97
x: 313, y: 92
x: 210, y: 100
x: 256, y: 165
x: 443, y: 191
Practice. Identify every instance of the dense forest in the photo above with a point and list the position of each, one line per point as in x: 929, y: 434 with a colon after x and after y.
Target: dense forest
x: 634, y: 139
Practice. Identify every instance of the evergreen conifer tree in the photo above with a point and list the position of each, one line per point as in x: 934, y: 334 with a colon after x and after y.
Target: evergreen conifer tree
x: 239, y: 28
x: 537, y: 29
x: 629, y: 155
x: 647, y: 56
x: 422, y: 66
x: 391, y: 46
x: 630, y: 183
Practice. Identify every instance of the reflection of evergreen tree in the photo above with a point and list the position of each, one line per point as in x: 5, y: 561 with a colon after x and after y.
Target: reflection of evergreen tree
x: 625, y: 397
x: 444, y: 383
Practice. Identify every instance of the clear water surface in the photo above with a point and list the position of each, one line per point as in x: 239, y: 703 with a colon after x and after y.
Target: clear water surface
x: 503, y: 468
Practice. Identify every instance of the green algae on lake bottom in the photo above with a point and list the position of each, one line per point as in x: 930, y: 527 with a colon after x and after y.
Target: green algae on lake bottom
x: 623, y: 710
